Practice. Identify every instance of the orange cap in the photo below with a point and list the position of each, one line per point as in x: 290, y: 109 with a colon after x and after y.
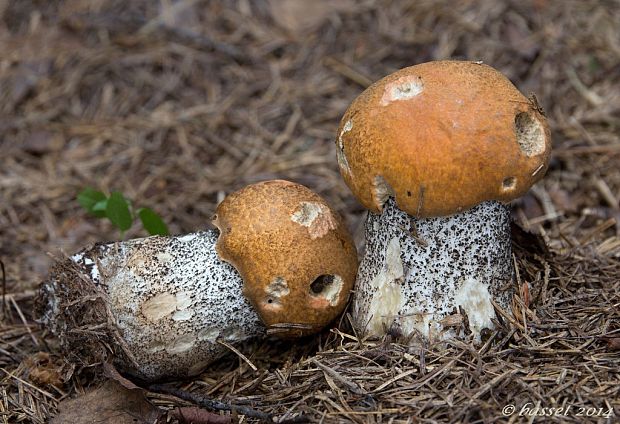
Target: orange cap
x: 442, y: 137
x: 297, y: 260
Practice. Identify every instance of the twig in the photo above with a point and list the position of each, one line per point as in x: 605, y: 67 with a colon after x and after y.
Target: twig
x: 352, y: 386
x: 606, y: 193
x: 593, y: 98
x: 24, y: 321
x: 347, y: 71
x: 25, y: 295
x: 586, y: 150
x: 239, y: 354
x: 3, y: 287
x: 43, y: 392
x: 597, y: 230
x: 211, y: 403
x: 420, y: 200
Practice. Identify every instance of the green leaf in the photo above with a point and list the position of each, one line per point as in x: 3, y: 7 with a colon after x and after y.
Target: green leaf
x: 89, y: 198
x: 101, y: 206
x: 152, y: 222
x: 117, y: 211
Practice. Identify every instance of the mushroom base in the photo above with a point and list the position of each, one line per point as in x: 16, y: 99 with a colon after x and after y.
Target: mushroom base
x: 158, y: 305
x: 434, y: 277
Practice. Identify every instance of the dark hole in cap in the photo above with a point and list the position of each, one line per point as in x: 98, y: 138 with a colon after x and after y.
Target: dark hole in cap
x: 320, y: 283
x: 509, y: 183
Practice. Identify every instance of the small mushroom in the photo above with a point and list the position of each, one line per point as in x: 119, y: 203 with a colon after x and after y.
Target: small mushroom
x: 297, y: 260
x: 166, y: 307
x: 435, y: 151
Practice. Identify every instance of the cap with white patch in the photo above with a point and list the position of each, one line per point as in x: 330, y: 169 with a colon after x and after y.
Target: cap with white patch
x: 297, y: 259
x: 440, y: 138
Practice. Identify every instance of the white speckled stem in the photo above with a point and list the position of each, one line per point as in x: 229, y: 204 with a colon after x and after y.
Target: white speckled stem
x: 418, y: 274
x: 172, y: 299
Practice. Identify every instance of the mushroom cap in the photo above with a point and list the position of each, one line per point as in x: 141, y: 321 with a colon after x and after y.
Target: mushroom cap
x: 441, y: 137
x: 296, y: 258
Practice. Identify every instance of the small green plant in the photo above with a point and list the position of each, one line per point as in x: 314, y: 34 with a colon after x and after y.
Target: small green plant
x: 120, y: 212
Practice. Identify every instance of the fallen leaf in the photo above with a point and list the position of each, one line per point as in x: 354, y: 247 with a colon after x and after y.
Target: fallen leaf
x: 525, y: 294
x: 531, y: 206
x: 111, y: 372
x: 613, y: 343
x: 562, y: 199
x: 111, y: 403
x: 40, y: 142
x: 45, y: 376
x: 299, y: 16
x: 195, y: 415
x: 43, y: 370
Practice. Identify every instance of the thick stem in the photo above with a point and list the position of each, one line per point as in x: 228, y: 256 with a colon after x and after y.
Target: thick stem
x: 168, y: 299
x: 434, y: 276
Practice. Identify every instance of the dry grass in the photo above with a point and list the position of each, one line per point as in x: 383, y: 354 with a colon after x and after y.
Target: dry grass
x: 178, y: 103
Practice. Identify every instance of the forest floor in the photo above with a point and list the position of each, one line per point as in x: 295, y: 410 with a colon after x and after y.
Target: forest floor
x: 177, y: 103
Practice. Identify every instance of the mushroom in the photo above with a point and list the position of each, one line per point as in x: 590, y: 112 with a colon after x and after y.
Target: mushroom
x: 435, y: 152
x: 166, y: 307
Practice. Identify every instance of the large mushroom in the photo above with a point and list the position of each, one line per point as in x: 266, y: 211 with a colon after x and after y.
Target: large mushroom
x: 168, y: 306
x: 435, y: 152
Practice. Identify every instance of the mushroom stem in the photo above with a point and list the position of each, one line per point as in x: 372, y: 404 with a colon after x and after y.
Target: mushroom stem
x: 161, y: 304
x: 434, y: 276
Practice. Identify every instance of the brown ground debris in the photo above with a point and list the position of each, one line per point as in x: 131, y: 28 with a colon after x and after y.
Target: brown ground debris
x: 177, y: 103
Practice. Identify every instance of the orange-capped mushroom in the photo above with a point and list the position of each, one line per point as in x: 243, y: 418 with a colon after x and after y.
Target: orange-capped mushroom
x: 169, y: 306
x: 434, y: 151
